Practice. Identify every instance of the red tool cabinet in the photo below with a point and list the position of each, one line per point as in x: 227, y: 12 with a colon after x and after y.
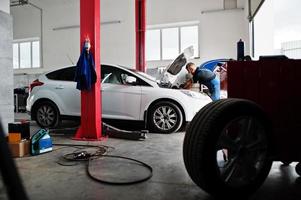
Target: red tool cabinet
x: 275, y: 86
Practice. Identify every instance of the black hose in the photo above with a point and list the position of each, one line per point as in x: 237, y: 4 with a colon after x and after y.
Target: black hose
x: 85, y: 156
x: 127, y: 182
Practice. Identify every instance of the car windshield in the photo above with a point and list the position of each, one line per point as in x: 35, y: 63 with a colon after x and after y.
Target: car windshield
x: 149, y: 77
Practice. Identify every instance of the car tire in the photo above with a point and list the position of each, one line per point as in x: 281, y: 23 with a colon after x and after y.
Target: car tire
x: 47, y: 115
x: 298, y: 168
x: 218, y: 155
x: 164, y: 117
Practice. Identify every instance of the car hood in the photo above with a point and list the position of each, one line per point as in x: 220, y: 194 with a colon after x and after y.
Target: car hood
x: 173, y: 69
x: 176, y: 66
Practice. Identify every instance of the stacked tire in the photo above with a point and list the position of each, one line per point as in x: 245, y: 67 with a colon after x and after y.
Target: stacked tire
x: 237, y: 130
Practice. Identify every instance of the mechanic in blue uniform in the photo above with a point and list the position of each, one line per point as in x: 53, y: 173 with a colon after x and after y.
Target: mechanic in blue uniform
x: 206, y: 77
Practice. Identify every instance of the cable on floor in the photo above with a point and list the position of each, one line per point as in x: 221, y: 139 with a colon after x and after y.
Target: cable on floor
x: 126, y: 182
x: 81, y: 154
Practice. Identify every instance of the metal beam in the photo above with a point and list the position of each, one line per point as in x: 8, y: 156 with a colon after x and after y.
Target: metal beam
x: 140, y: 16
x: 90, y: 128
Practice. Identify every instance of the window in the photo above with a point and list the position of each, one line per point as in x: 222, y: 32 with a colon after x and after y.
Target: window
x: 276, y: 29
x: 66, y: 74
x: 16, y: 56
x: 26, y: 54
x: 168, y: 43
x: 36, y: 54
x: 189, y: 36
x: 153, y: 45
x: 114, y: 75
x: 25, y: 58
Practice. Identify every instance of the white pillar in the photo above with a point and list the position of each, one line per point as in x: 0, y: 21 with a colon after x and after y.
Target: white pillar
x: 6, y: 66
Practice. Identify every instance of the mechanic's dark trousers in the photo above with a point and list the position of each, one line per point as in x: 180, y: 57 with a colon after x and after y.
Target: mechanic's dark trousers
x: 214, y: 87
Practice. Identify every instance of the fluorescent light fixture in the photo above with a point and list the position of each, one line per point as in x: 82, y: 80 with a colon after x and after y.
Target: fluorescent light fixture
x: 221, y: 10
x: 77, y: 26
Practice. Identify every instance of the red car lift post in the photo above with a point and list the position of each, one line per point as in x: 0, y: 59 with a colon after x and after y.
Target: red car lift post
x: 90, y: 128
x: 140, y: 15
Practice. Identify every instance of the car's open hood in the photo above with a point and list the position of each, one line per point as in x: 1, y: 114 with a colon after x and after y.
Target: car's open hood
x: 176, y: 66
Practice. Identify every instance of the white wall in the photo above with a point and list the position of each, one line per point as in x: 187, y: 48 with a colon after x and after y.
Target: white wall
x: 118, y: 40
x: 4, y: 6
x: 60, y: 46
x: 31, y: 28
x: 223, y: 31
x: 219, y: 31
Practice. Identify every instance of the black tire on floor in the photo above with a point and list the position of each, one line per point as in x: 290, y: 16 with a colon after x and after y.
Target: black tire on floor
x: 170, y: 113
x: 220, y: 127
x: 47, y: 115
x: 298, y: 168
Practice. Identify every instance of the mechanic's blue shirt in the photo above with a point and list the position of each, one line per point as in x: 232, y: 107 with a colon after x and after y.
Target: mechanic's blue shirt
x: 208, y: 78
x: 203, y: 75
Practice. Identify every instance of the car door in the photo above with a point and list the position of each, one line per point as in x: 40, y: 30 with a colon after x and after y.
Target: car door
x: 120, y: 100
x: 63, y: 84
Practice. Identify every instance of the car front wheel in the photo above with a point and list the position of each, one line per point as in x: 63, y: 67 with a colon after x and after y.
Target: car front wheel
x: 47, y: 115
x: 165, y: 117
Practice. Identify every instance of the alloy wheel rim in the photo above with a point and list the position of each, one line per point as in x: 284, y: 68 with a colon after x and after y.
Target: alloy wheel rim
x: 46, y: 115
x: 165, y: 118
x: 241, y: 151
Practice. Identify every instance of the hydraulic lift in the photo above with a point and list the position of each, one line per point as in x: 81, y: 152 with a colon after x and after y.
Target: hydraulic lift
x: 90, y: 128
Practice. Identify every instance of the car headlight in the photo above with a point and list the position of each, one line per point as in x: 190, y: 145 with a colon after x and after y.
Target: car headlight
x: 192, y: 94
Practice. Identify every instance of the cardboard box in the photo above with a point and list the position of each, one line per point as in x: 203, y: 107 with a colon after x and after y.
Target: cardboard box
x: 19, y: 149
x: 14, y: 137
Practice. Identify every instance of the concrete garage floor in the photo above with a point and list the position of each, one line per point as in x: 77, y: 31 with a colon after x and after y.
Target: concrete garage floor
x: 45, y: 179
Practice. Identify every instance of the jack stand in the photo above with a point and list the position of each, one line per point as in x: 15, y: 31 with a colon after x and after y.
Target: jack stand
x: 108, y: 130
x: 118, y: 133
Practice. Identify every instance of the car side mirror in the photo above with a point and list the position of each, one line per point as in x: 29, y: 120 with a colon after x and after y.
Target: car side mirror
x: 130, y: 80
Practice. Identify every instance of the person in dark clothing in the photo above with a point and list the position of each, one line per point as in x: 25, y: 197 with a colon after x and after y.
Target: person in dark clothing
x: 205, y: 77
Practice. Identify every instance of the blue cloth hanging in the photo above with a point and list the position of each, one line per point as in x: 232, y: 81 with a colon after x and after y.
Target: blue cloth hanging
x: 85, y: 75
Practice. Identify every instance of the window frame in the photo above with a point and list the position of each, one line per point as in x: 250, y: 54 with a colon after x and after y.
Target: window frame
x: 178, y: 26
x: 31, y: 41
x: 118, y: 72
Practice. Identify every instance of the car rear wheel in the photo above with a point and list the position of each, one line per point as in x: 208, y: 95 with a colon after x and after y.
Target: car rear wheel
x: 226, y: 148
x: 47, y: 115
x: 165, y: 117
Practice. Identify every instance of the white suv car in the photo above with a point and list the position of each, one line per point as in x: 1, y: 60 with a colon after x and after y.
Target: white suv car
x: 127, y: 96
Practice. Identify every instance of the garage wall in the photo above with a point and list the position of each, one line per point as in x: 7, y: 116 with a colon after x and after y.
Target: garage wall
x: 218, y: 31
x: 4, y: 6
x: 223, y: 30
x: 31, y: 17
x: 118, y: 40
x: 6, y: 71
